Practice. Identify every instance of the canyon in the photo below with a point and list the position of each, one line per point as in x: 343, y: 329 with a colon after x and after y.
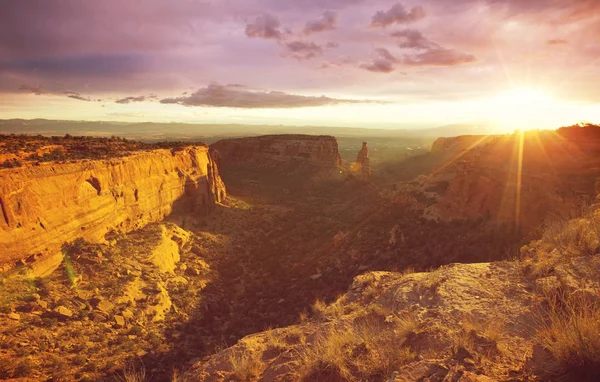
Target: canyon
x: 238, y: 261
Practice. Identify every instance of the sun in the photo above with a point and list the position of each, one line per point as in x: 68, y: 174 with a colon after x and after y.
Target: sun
x: 522, y: 108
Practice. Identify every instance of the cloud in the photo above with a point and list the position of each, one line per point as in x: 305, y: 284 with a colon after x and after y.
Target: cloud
x: 264, y: 26
x: 439, y: 56
x: 557, y: 42
x: 303, y: 50
x: 411, y: 38
x: 39, y: 90
x: 131, y: 99
x: 78, y: 97
x: 383, y: 63
x: 327, y: 22
x: 215, y: 95
x: 397, y: 15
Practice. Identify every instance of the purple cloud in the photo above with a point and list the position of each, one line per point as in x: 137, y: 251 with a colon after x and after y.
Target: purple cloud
x: 303, y: 50
x: 411, y: 38
x: 39, y: 90
x: 397, y: 15
x: 79, y: 97
x: 327, y: 22
x: 131, y: 99
x: 383, y: 63
x: 439, y: 56
x: 215, y: 95
x: 264, y: 26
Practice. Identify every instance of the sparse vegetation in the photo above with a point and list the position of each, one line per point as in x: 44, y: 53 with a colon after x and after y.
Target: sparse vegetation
x: 38, y: 148
x: 570, y: 327
x: 359, y: 351
x: 245, y: 366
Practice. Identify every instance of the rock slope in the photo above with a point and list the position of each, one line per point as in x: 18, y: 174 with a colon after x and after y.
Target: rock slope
x: 462, y: 322
x: 44, y: 206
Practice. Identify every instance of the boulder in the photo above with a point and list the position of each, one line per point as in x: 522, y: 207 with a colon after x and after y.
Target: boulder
x: 63, y: 312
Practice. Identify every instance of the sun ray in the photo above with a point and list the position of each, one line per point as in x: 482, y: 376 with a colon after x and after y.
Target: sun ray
x: 479, y: 142
x: 519, y: 181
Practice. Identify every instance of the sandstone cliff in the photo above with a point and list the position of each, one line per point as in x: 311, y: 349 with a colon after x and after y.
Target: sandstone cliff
x: 455, y: 143
x: 44, y: 206
x: 269, y: 150
x: 515, y: 179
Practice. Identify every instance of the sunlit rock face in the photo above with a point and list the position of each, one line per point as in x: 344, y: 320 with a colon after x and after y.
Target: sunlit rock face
x: 44, y: 206
x: 456, y: 143
x: 321, y: 151
x: 516, y: 179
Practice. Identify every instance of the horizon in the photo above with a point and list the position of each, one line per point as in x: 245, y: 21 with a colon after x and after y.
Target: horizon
x: 383, y: 64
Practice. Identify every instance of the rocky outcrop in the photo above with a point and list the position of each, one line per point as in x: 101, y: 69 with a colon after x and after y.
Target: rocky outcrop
x: 269, y: 150
x: 459, y: 320
x: 459, y: 143
x: 44, y: 206
x: 363, y: 162
x: 514, y: 179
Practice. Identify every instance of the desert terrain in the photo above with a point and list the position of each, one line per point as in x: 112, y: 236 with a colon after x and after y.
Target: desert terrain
x: 278, y: 258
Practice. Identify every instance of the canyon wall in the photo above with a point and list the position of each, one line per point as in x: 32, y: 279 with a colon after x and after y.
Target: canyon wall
x: 321, y: 151
x: 521, y: 179
x: 457, y: 143
x: 44, y: 206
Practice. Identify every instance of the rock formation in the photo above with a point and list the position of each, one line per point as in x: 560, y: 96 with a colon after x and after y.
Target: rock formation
x: 459, y: 143
x: 480, y: 177
x: 364, y: 163
x: 269, y: 150
x: 47, y: 205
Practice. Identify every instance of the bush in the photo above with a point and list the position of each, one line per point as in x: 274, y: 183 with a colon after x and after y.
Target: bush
x: 245, y: 365
x: 571, y: 332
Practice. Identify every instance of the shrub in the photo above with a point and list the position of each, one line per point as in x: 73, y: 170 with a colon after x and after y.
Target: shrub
x: 570, y: 330
x: 245, y: 365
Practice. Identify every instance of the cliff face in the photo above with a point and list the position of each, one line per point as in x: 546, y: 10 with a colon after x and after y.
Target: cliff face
x: 44, y: 206
x: 321, y: 151
x: 512, y: 178
x: 455, y: 143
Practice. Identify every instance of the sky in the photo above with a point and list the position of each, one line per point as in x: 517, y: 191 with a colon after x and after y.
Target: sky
x: 356, y: 63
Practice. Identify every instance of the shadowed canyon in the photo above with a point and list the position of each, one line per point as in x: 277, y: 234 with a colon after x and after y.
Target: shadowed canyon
x: 284, y: 258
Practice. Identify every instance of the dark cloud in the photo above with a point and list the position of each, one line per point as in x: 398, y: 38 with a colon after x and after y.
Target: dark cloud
x: 264, y: 26
x: 302, y: 50
x: 79, y: 97
x: 383, y: 63
x: 327, y: 22
x: 397, y: 15
x: 39, y: 90
x: 216, y: 95
x: 439, y: 56
x: 556, y: 42
x: 131, y: 99
x: 411, y: 38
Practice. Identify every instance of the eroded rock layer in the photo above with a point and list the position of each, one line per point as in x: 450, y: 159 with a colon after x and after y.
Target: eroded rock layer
x: 44, y: 206
x: 321, y: 151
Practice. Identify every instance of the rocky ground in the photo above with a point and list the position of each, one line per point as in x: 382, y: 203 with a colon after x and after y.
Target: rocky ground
x: 260, y: 260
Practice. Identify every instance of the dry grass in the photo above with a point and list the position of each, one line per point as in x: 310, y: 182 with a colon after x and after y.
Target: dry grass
x: 563, y: 240
x: 275, y: 340
x: 571, y: 332
x: 323, y: 312
x: 245, y: 365
x: 133, y: 373
x: 364, y: 350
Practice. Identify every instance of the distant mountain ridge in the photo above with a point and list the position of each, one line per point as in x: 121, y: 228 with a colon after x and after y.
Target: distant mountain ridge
x: 183, y: 131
